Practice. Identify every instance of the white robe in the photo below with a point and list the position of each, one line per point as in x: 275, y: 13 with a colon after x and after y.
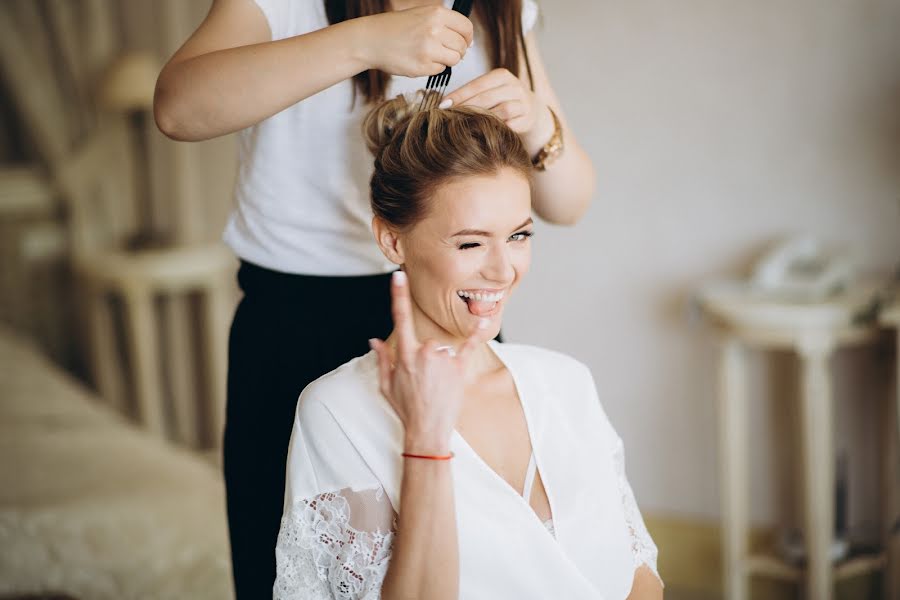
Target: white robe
x: 343, y: 488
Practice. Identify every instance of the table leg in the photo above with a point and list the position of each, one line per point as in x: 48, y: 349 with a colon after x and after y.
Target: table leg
x: 818, y: 460
x: 734, y: 472
x: 889, y: 473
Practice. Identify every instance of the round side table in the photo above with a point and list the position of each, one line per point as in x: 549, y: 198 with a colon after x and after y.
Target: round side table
x: 749, y: 318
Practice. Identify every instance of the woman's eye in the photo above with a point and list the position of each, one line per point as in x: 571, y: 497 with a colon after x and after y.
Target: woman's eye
x: 469, y: 245
x: 521, y: 236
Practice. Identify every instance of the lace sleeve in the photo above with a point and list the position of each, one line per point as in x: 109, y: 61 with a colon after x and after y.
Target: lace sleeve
x: 642, y: 545
x: 335, y: 546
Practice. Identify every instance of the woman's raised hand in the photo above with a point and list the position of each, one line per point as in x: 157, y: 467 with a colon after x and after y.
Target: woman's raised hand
x: 423, y: 383
x: 416, y: 42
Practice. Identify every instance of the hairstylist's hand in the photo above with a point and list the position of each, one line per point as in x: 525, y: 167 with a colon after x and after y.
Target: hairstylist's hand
x: 416, y: 42
x: 508, y: 97
x: 424, y: 385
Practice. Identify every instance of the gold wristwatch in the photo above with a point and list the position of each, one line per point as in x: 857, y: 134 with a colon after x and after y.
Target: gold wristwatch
x: 552, y: 149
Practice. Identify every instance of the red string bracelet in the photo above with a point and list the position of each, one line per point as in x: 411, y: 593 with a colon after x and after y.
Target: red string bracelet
x: 428, y: 456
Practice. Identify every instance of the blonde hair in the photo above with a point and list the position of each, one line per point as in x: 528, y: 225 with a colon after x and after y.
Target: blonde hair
x: 416, y: 151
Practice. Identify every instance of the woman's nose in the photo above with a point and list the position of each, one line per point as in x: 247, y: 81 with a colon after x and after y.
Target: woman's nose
x: 499, y: 266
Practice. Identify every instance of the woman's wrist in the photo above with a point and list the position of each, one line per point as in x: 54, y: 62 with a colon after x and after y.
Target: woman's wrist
x: 540, y: 134
x: 359, y: 33
x: 426, y: 444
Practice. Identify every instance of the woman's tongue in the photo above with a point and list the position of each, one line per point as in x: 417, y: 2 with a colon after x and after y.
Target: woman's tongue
x: 479, y: 308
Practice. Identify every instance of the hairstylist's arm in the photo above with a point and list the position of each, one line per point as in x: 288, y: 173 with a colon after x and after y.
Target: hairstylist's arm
x: 563, y: 192
x: 230, y: 74
x: 426, y: 388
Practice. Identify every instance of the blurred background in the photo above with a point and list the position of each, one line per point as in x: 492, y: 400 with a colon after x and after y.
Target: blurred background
x: 719, y: 130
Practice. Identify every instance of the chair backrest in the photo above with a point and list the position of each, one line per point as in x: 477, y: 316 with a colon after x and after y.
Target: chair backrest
x: 95, y: 182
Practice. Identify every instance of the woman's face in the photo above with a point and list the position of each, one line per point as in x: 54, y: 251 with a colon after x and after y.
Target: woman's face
x: 464, y: 259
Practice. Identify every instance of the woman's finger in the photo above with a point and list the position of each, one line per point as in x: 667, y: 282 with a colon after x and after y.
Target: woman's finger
x: 427, y: 349
x: 446, y: 57
x: 454, y: 42
x: 494, y: 97
x: 472, y: 342
x: 489, y: 80
x: 519, y: 124
x: 384, y: 366
x: 509, y: 110
x: 460, y: 24
x: 401, y: 309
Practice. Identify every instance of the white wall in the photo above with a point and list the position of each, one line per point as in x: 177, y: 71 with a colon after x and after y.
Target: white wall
x: 714, y: 126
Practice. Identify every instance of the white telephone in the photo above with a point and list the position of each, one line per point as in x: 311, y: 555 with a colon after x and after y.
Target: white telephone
x: 803, y: 268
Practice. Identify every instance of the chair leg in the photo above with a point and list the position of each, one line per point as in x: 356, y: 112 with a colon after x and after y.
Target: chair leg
x: 143, y: 345
x: 104, y: 364
x: 217, y: 314
x: 180, y: 366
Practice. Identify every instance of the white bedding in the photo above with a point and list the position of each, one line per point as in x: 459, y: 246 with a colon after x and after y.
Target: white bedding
x: 92, y: 507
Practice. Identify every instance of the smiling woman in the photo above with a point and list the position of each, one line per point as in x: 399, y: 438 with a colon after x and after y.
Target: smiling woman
x: 442, y: 464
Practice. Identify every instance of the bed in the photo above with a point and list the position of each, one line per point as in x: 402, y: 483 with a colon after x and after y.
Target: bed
x: 91, y: 507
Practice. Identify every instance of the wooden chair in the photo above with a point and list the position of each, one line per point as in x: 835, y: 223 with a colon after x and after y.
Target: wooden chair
x: 134, y: 298
x: 141, y: 343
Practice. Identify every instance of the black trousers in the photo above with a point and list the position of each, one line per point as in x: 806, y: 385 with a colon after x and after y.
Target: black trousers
x: 288, y: 330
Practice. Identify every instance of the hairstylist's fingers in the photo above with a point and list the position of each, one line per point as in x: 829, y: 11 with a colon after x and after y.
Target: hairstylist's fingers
x: 519, y: 123
x: 479, y: 85
x: 446, y: 57
x: 493, y: 97
x: 461, y: 25
x: 434, y: 68
x: 401, y: 308
x: 454, y: 42
x: 384, y: 366
x: 509, y: 110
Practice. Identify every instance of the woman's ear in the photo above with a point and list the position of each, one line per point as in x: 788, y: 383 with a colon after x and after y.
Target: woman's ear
x: 388, y: 241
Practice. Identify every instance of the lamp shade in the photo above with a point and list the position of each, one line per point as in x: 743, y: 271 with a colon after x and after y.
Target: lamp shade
x: 129, y: 82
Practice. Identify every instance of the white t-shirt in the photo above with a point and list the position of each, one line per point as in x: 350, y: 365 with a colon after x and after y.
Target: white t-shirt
x: 302, y: 190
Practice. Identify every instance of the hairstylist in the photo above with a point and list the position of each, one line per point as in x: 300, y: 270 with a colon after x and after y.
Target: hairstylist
x: 294, y: 79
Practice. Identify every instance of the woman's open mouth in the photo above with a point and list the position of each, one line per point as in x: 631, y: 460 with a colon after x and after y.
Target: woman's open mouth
x: 482, y: 303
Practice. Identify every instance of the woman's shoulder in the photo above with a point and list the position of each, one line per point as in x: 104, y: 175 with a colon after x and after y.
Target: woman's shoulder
x: 353, y: 379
